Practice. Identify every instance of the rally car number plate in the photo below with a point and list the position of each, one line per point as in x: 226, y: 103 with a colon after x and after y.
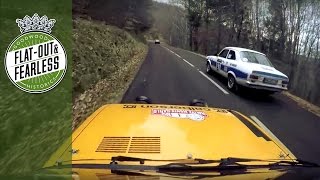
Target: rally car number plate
x: 270, y: 81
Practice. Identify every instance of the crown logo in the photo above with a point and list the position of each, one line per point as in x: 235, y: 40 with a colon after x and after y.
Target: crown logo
x: 35, y: 23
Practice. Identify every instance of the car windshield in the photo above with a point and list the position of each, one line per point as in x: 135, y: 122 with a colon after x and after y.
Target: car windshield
x: 256, y: 58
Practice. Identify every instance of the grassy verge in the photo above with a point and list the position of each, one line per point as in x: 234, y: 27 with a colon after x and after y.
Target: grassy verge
x: 303, y: 103
x: 105, y: 61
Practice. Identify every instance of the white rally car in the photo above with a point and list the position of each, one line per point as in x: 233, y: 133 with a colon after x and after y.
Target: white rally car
x: 247, y: 68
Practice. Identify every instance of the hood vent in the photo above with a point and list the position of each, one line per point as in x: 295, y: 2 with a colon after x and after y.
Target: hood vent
x: 145, y: 145
x: 114, y: 144
x: 129, y: 145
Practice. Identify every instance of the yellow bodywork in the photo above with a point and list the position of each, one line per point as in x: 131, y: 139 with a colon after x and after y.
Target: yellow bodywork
x: 166, y: 132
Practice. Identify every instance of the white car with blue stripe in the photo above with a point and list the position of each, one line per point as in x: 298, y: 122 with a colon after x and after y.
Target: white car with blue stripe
x: 247, y: 68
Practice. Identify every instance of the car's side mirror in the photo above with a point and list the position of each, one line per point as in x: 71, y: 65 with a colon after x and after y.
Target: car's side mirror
x: 245, y: 59
x: 216, y: 54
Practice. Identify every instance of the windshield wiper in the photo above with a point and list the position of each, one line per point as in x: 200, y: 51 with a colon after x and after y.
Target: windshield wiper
x: 229, y: 160
x: 297, y: 162
x: 116, y: 159
x: 224, y: 163
x: 183, y: 163
x: 235, y: 161
x: 233, y: 164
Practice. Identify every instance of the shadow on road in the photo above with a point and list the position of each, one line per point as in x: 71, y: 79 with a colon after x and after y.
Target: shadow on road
x: 255, y: 95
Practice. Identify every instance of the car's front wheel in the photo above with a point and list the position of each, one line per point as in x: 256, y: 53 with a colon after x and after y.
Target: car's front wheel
x: 232, y: 84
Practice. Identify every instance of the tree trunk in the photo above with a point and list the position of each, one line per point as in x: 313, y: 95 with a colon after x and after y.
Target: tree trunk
x: 207, y: 29
x: 219, y: 32
x: 258, y: 42
x: 195, y: 41
x: 190, y: 27
x: 295, y: 47
x: 190, y: 37
x: 317, y: 53
x: 240, y: 28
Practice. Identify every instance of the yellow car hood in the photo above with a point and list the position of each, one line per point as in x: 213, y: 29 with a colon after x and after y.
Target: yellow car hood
x: 169, y: 132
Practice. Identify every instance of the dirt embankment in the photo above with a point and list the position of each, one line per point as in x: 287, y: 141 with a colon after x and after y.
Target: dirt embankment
x: 105, y: 61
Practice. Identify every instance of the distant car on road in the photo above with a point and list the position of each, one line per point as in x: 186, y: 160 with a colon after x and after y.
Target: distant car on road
x: 157, y: 41
x: 247, y: 68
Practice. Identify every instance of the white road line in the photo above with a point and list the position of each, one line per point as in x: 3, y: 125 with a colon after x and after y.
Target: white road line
x: 217, y: 85
x: 180, y: 57
x: 195, y: 53
x: 188, y: 63
x: 203, y: 74
x: 170, y: 50
x: 167, y: 48
x: 198, y: 54
x: 256, y: 120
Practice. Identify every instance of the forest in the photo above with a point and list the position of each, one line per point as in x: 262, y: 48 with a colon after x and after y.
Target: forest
x: 130, y: 15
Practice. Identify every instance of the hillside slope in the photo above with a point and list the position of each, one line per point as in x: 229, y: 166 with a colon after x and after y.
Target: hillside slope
x: 105, y: 60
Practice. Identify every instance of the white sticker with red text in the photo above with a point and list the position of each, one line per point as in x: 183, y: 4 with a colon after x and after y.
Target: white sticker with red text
x: 183, y: 114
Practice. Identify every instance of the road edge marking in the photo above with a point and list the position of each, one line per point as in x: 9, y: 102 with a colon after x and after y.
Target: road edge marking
x: 213, y: 82
x: 310, y: 107
x: 261, y: 125
x: 198, y: 54
x: 188, y: 62
x: 179, y: 57
x: 168, y: 49
x: 201, y: 55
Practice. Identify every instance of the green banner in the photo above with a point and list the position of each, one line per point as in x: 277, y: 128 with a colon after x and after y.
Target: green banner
x: 35, y: 83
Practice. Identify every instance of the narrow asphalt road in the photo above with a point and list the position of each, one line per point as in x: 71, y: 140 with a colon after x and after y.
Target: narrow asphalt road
x: 175, y: 76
